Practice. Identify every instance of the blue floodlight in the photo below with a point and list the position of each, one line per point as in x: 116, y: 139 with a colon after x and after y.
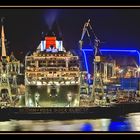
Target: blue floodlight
x: 116, y: 126
x: 85, y: 59
x: 87, y: 127
x: 108, y: 50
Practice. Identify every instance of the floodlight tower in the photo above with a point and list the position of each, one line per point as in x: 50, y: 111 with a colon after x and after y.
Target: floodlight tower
x: 98, y: 86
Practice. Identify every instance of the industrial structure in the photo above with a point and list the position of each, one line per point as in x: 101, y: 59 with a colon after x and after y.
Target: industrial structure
x: 98, y: 79
x: 109, y: 79
x: 9, y: 70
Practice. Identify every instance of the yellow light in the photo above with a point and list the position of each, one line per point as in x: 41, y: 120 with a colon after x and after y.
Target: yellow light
x: 121, y: 71
x: 98, y: 74
x: 4, y: 75
x: 138, y: 69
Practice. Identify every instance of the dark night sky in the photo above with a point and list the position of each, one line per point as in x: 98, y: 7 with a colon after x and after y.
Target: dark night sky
x: 118, y: 28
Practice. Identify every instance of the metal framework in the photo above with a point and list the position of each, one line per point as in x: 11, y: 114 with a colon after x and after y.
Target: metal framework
x: 9, y: 69
x: 98, y: 88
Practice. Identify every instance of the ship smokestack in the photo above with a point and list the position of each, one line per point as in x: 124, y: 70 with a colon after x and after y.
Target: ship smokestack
x: 51, y: 43
x: 50, y: 33
x: 50, y: 40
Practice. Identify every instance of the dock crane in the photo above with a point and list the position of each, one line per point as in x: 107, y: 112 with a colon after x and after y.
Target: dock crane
x: 9, y: 69
x: 98, y: 86
x: 5, y: 89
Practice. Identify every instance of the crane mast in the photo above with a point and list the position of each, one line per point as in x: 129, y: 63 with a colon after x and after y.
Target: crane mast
x: 85, y: 30
x: 98, y: 86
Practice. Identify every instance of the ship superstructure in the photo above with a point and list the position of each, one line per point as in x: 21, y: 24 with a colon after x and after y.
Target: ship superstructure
x: 52, y: 75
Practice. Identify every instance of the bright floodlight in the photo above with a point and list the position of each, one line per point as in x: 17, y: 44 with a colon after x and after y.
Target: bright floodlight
x: 4, y: 75
x: 138, y: 69
x: 121, y: 71
x: 98, y: 74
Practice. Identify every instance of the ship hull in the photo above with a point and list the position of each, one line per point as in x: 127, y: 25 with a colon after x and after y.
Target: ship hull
x: 68, y: 113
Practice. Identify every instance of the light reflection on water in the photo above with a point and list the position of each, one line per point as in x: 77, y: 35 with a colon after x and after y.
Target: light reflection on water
x: 130, y: 123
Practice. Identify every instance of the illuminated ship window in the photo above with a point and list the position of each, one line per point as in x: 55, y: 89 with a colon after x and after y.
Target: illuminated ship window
x: 38, y: 74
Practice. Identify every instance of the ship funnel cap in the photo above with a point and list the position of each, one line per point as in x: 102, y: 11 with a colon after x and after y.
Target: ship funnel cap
x: 50, y: 33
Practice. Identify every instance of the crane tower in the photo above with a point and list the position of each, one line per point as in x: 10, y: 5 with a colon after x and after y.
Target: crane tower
x: 9, y: 69
x: 98, y: 85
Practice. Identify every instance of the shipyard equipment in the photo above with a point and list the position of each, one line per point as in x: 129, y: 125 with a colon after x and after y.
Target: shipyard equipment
x: 9, y: 69
x: 98, y: 86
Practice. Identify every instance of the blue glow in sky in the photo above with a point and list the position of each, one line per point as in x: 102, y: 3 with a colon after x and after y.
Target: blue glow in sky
x: 109, y: 50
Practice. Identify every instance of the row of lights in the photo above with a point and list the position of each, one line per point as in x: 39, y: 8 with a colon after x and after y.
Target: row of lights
x: 39, y: 83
